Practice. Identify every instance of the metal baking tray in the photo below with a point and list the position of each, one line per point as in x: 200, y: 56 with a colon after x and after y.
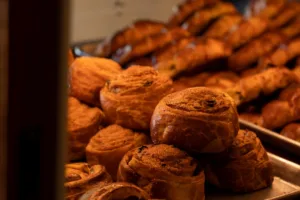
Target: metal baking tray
x: 273, y: 138
x: 286, y: 184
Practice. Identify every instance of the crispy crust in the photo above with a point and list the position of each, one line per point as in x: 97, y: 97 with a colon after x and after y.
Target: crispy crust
x: 110, y: 144
x: 164, y: 172
x: 148, y: 44
x: 130, y: 98
x: 246, y: 168
x: 198, y: 120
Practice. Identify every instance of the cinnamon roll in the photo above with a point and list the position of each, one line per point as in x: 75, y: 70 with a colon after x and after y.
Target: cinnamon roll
x: 88, y: 75
x: 83, y: 123
x: 198, y: 120
x: 110, y: 144
x: 80, y: 177
x: 291, y: 131
x: 244, y: 167
x: 130, y: 98
x: 164, y: 172
x: 116, y: 191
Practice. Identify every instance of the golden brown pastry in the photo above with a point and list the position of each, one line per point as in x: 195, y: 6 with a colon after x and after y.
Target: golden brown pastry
x: 254, y: 118
x: 164, y: 172
x: 222, y: 80
x: 168, y: 51
x: 246, y: 31
x: 292, y: 30
x: 255, y: 70
x: 83, y: 123
x: 201, y: 18
x: 110, y: 144
x: 88, y: 75
x: 197, y: 120
x: 116, y: 191
x: 223, y: 26
x: 80, y: 177
x: 148, y: 45
x: 266, y: 9
x: 266, y: 82
x: 291, y: 131
x: 129, y: 99
x: 249, y: 54
x: 195, y: 57
x: 129, y: 35
x: 296, y: 71
x: 191, y: 81
x: 284, y: 110
x: 182, y: 11
x: 70, y: 57
x: 244, y: 167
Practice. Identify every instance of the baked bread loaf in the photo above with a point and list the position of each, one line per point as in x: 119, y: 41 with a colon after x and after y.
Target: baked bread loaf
x: 116, y: 191
x: 284, y: 110
x: 197, y: 120
x: 83, y: 123
x: 244, y: 167
x: 80, y: 177
x: 254, y: 118
x: 291, y: 131
x: 201, y: 18
x: 110, y: 144
x: 129, y: 35
x: 223, y: 26
x: 222, y: 80
x: 148, y: 45
x: 187, y: 8
x: 266, y: 82
x: 164, y: 172
x: 129, y: 99
x: 88, y: 75
x: 195, y: 57
x: 191, y: 81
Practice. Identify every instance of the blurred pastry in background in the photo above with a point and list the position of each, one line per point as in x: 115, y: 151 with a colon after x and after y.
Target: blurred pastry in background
x: 254, y: 118
x: 222, y: 80
x: 291, y: 131
x: 191, y: 81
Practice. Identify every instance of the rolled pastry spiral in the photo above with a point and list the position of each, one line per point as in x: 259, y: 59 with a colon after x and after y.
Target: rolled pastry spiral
x: 197, y: 120
x: 80, y: 177
x: 129, y: 99
x: 116, y: 191
x: 110, y: 144
x: 83, y: 123
x: 164, y: 172
x: 244, y: 167
x: 88, y: 75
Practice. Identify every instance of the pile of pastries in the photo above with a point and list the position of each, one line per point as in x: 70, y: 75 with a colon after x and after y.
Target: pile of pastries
x: 154, y: 115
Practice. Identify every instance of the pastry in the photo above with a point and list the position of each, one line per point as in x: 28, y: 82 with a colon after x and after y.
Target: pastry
x: 292, y: 30
x: 164, y: 172
x: 283, y: 110
x: 182, y: 11
x: 88, y: 75
x: 254, y: 118
x: 191, y: 81
x: 116, y: 191
x: 143, y: 61
x: 129, y: 35
x: 80, y: 177
x: 246, y: 31
x: 83, y: 123
x: 195, y: 57
x: 148, y: 45
x: 223, y: 26
x: 244, y: 167
x: 264, y: 83
x: 70, y: 57
x: 197, y: 120
x: 129, y: 99
x: 201, y: 18
x: 110, y: 144
x: 222, y: 80
x: 249, y: 54
x: 291, y: 131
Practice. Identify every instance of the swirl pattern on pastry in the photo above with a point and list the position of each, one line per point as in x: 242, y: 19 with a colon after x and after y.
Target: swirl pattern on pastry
x: 83, y: 123
x: 130, y: 98
x: 80, y: 177
x: 164, y: 172
x: 244, y: 167
x: 88, y: 75
x: 198, y: 120
x: 110, y: 144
